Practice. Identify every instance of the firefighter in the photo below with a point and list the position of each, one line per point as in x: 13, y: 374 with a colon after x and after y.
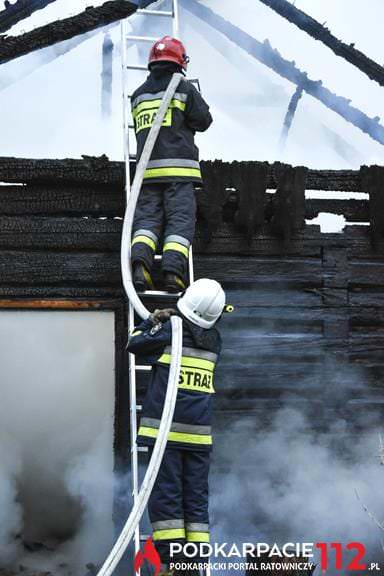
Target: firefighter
x: 178, y: 505
x: 166, y: 204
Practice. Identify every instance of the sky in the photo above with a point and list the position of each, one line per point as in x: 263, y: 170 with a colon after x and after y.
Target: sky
x: 52, y: 108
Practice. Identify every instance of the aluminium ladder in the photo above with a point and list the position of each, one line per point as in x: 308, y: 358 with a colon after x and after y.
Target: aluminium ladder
x: 149, y: 295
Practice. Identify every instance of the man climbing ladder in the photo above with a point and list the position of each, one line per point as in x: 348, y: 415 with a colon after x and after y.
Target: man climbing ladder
x: 178, y: 505
x: 167, y: 201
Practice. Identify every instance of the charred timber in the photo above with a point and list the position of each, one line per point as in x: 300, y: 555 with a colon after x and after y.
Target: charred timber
x: 319, y: 32
x: 270, y: 57
x: 101, y: 170
x: 20, y: 10
x: 12, y: 47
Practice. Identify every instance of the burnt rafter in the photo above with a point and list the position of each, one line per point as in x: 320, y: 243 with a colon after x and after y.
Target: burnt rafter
x: 318, y: 31
x: 14, y: 13
x: 270, y: 57
x: 12, y: 47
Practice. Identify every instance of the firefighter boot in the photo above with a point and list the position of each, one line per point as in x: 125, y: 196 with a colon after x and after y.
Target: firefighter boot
x: 173, y: 283
x: 142, y: 278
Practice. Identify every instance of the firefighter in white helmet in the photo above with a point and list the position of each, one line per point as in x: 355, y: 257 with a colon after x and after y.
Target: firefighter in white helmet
x: 178, y: 506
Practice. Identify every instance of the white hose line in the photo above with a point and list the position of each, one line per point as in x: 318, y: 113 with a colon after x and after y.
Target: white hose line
x: 134, y: 194
x: 157, y: 456
x: 139, y: 506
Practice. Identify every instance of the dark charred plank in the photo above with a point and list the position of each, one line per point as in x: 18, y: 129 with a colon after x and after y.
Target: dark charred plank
x: 101, y: 170
x: 352, y: 210
x: 319, y: 32
x: 20, y: 10
x: 21, y: 268
x: 267, y: 55
x: 12, y: 47
x: 71, y: 199
x: 76, y: 234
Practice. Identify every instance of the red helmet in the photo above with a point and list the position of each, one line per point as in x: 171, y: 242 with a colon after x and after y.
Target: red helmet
x: 169, y: 49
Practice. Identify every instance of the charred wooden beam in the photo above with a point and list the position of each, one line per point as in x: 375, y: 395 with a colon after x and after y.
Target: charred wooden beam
x: 52, y: 304
x: 373, y: 183
x: 12, y: 47
x: 319, y: 32
x: 289, y: 201
x: 250, y: 181
x: 273, y: 59
x: 88, y: 170
x: 216, y: 176
x: 292, y: 107
x: 352, y: 210
x: 102, y: 171
x: 18, y: 11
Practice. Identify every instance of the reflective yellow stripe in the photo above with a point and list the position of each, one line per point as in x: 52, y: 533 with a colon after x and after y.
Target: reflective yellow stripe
x: 178, y: 436
x: 189, y: 361
x: 198, y: 537
x: 144, y: 240
x: 155, y: 104
x: 169, y: 534
x: 137, y: 333
x: 172, y: 171
x: 177, y: 248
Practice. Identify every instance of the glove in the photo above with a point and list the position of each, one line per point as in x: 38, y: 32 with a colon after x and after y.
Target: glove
x: 159, y: 316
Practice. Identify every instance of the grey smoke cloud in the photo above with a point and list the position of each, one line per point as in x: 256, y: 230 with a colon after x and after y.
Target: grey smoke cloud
x: 293, y: 484
x: 56, y: 438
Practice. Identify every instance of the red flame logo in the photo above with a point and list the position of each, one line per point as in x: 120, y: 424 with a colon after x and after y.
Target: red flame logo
x: 150, y: 554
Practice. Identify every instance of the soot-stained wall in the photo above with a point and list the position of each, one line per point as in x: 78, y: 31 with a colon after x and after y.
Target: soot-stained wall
x: 299, y: 401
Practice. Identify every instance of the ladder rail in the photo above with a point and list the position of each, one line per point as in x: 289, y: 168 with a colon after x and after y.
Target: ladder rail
x: 125, y: 112
x: 133, y: 427
x: 176, y: 19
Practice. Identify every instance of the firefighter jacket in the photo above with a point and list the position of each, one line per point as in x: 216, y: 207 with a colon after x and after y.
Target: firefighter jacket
x: 191, y: 427
x: 175, y: 156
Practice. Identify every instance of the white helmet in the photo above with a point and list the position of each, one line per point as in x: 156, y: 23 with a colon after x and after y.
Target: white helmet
x: 203, y: 302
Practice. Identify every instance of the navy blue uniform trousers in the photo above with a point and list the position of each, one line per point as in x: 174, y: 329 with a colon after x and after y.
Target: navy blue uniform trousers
x: 169, y: 209
x: 178, y: 505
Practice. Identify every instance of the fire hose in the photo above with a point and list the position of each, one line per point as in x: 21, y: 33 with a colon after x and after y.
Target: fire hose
x: 139, y: 506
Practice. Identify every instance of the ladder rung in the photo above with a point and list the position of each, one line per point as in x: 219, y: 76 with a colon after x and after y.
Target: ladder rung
x: 143, y: 368
x: 139, y: 407
x: 154, y: 12
x: 131, y: 126
x: 144, y: 537
x: 158, y: 257
x: 159, y: 293
x: 137, y: 67
x: 142, y: 448
x: 132, y: 156
x: 142, y: 38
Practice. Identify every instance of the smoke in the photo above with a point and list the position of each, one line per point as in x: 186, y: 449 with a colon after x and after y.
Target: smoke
x: 289, y: 468
x: 56, y: 439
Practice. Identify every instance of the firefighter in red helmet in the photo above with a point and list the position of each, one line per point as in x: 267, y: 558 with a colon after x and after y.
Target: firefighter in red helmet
x: 166, y: 206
